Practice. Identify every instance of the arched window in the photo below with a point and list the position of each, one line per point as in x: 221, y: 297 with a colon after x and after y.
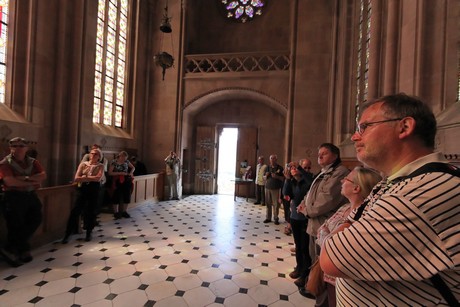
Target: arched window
x: 362, y: 63
x: 109, y: 86
x: 3, y: 46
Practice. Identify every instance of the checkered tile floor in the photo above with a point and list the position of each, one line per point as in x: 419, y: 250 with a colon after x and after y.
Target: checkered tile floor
x: 204, y: 250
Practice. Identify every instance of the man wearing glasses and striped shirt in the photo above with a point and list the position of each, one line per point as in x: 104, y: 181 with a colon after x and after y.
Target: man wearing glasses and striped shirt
x: 404, y: 250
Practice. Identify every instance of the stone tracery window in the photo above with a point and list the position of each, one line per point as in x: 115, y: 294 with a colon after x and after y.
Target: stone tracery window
x: 362, y: 63
x: 243, y: 10
x: 3, y: 46
x: 109, y: 86
x: 458, y: 73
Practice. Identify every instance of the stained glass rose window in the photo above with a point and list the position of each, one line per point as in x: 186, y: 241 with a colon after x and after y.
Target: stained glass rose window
x: 243, y: 10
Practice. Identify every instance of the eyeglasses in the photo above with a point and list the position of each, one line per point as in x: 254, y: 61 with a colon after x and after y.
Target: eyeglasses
x: 18, y: 146
x: 360, y: 128
x: 94, y: 153
x: 349, y: 180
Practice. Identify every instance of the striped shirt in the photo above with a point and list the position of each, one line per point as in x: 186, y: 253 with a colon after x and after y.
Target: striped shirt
x: 409, y: 233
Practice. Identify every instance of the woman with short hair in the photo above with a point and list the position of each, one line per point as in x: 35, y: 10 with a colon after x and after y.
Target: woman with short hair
x: 121, y: 172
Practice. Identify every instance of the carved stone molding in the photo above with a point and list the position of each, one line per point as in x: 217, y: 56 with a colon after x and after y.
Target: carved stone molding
x: 214, y: 95
x: 206, y: 144
x: 244, y: 62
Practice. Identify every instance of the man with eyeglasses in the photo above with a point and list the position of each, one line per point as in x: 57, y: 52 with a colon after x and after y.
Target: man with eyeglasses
x: 22, y: 176
x: 404, y: 250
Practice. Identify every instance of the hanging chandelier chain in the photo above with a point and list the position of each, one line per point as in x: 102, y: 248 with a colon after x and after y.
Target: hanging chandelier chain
x: 162, y: 58
x: 172, y: 44
x: 161, y: 41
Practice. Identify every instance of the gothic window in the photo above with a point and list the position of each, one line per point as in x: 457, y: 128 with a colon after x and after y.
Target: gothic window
x: 3, y: 46
x: 243, y: 10
x: 458, y: 73
x: 362, y: 63
x: 109, y: 86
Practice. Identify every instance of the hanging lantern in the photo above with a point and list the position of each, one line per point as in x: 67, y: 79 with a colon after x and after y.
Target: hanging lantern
x: 165, y: 26
x: 164, y: 60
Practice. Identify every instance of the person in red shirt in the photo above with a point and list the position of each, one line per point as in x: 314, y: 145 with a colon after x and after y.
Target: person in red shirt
x: 22, y: 176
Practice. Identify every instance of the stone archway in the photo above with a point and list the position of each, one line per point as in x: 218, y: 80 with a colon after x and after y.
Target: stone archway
x: 234, y: 107
x: 224, y: 94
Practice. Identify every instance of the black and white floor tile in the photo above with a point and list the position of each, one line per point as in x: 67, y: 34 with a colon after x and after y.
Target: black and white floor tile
x: 205, y: 250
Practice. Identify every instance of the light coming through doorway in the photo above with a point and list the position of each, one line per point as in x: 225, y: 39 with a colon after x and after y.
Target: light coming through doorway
x: 227, y: 161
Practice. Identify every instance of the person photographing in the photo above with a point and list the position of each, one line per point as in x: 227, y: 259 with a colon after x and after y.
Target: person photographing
x: 172, y: 174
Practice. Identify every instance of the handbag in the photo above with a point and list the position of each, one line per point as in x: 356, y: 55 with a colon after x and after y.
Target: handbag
x: 315, y: 283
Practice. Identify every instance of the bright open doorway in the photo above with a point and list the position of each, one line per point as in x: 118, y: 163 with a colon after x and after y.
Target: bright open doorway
x: 227, y: 161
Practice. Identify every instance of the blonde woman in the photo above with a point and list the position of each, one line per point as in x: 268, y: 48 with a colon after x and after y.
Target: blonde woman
x: 88, y: 176
x: 356, y: 186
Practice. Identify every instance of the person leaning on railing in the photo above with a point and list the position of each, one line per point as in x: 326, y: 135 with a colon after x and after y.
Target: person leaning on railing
x: 88, y: 177
x: 22, y: 209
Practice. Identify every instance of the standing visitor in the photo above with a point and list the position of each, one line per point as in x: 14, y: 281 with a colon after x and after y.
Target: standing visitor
x: 274, y: 180
x: 88, y: 177
x: 121, y: 172
x: 323, y: 198
x: 295, y: 188
x: 103, y: 194
x: 22, y: 176
x: 260, y: 181
x: 172, y: 174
